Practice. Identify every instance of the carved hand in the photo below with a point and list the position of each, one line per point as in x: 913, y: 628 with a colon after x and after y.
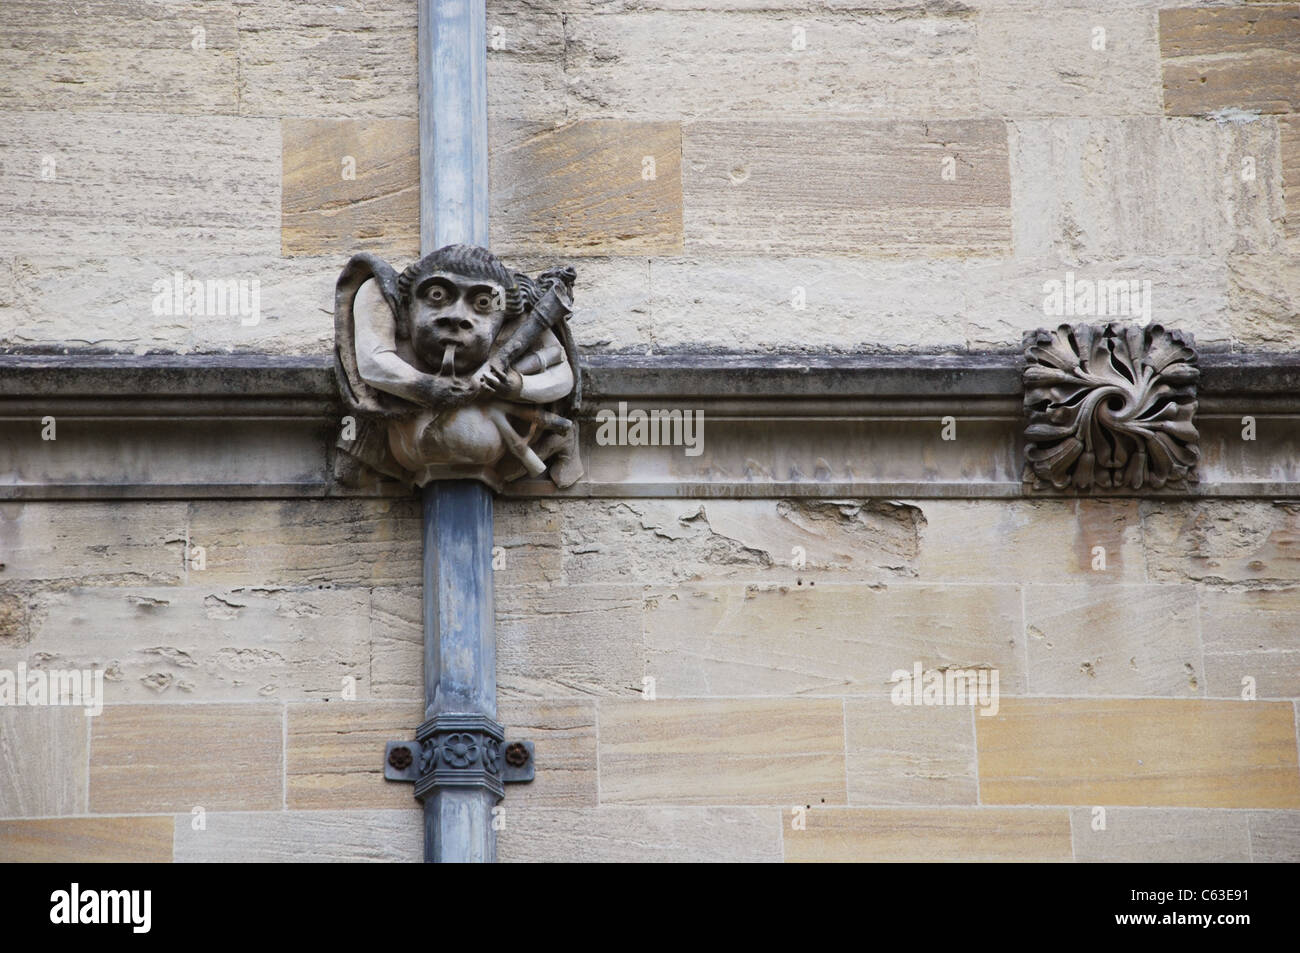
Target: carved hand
x: 506, y: 384
x: 441, y: 392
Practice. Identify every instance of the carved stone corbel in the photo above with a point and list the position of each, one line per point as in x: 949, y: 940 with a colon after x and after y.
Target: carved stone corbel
x: 1110, y: 407
x: 456, y: 367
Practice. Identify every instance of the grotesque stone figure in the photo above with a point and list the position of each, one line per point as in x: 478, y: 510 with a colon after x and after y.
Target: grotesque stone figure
x: 457, y: 367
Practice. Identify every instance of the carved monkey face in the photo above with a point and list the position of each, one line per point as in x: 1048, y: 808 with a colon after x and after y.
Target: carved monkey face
x: 452, y: 310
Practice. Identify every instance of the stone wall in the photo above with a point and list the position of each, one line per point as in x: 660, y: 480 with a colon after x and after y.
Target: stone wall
x: 799, y: 152
x: 752, y: 174
x: 268, y: 681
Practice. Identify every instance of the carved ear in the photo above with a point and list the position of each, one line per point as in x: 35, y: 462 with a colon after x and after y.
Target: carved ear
x: 521, y: 298
x: 356, y: 393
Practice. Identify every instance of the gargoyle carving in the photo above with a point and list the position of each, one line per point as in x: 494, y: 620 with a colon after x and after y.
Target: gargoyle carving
x: 457, y: 367
x: 1110, y: 407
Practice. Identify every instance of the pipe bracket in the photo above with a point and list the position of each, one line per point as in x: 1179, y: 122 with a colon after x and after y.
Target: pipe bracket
x: 459, y: 750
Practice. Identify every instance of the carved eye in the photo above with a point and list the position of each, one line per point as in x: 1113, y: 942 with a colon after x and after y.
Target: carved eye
x: 484, y: 302
x: 437, y: 294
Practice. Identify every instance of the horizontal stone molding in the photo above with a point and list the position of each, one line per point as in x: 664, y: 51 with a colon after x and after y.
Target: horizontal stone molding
x: 234, y: 425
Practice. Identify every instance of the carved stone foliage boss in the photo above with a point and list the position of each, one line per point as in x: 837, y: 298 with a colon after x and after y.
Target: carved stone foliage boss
x: 456, y: 367
x: 1110, y: 407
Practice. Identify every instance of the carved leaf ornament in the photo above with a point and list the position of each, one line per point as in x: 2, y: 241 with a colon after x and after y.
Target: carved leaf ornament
x: 1110, y: 407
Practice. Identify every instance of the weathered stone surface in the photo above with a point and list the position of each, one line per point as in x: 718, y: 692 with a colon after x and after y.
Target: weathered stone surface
x: 8, y: 290
x: 347, y: 58
x: 350, y: 185
x: 1113, y: 640
x: 826, y: 639
x: 1045, y: 542
x: 15, y: 619
x: 1289, y: 129
x: 901, y: 754
x: 564, y: 734
x: 586, y: 187
x: 189, y: 643
x: 43, y: 761
x: 1264, y: 295
x: 580, y: 188
x: 574, y: 640
x: 1275, y: 837
x: 1251, y: 634
x: 1091, y: 5
x: 1114, y: 187
x: 913, y: 7
x: 135, y: 184
x: 1238, y: 57
x: 397, y: 643
x: 88, y: 544
x: 528, y: 536
x: 120, y: 55
x: 526, y: 53
x: 173, y: 758
x: 659, y: 541
x: 551, y: 642
x: 1222, y: 542
x: 109, y: 303
x: 1139, y: 752
x: 329, y: 542
x: 297, y: 298
x: 627, y: 303
x: 752, y: 303
x: 1028, y: 68
x: 847, y: 187
x: 857, y: 539
x: 88, y: 840
x: 648, y: 541
x: 1161, y: 836
x: 982, y: 303
x: 988, y: 835
x: 729, y: 64
x: 277, y: 837
x: 776, y: 751
x: 335, y: 754
x: 638, y: 835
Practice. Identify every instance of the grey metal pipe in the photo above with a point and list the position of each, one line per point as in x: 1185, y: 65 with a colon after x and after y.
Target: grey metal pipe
x: 453, y: 123
x: 459, y: 611
x: 460, y: 660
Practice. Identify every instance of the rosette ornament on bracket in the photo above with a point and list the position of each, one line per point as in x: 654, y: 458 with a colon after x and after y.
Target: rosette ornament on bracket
x: 1110, y: 407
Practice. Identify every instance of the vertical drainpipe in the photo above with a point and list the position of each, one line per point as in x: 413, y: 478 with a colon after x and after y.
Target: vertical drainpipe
x: 460, y: 679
